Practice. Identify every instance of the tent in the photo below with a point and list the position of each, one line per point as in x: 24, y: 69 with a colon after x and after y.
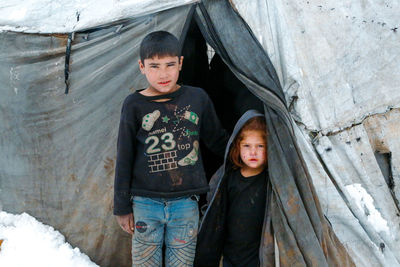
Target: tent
x: 326, y: 75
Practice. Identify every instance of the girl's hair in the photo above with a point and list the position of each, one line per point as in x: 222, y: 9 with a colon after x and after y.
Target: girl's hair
x: 254, y: 124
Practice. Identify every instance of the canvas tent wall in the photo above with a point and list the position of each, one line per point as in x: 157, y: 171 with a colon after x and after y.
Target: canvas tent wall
x: 58, y: 151
x: 337, y: 64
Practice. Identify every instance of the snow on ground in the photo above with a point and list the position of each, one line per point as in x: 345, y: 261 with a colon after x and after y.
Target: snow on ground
x: 28, y: 242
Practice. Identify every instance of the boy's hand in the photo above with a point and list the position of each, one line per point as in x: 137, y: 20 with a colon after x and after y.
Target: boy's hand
x: 126, y: 222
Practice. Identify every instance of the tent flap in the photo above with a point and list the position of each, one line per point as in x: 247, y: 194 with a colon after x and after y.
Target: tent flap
x: 302, y: 226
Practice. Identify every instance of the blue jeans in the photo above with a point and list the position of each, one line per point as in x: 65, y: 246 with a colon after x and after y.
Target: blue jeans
x: 158, y: 220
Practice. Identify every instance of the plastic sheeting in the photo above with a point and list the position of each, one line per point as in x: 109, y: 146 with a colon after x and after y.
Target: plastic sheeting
x: 63, y: 16
x: 58, y: 151
x: 346, y: 161
x: 293, y: 218
x: 337, y: 61
x: 338, y: 64
x: 350, y: 161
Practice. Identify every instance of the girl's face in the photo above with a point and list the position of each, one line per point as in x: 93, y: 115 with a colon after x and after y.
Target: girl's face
x: 253, y: 150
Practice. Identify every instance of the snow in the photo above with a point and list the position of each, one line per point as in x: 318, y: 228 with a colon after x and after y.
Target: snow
x: 18, y: 14
x: 365, y: 202
x: 62, y: 16
x: 28, y: 242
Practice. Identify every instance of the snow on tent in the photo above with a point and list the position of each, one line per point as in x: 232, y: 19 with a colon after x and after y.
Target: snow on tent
x: 327, y: 75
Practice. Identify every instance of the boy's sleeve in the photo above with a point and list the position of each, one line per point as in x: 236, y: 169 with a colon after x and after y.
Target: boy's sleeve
x: 124, y: 164
x: 211, y: 132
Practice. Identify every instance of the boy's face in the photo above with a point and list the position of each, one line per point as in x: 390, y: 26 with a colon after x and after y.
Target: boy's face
x: 162, y: 73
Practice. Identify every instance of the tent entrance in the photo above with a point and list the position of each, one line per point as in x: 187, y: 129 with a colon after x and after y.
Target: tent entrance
x: 230, y: 96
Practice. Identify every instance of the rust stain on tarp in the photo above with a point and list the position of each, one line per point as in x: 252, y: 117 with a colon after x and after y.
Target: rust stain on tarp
x: 63, y: 38
x: 286, y: 256
x: 52, y: 48
x: 293, y: 205
x: 72, y: 177
x: 109, y: 166
x: 98, y: 242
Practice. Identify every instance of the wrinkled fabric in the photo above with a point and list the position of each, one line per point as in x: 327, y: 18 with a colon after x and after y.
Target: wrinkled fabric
x: 330, y: 57
x: 57, y: 156
x: 58, y: 152
x: 302, y: 233
x: 337, y: 64
x: 64, y: 16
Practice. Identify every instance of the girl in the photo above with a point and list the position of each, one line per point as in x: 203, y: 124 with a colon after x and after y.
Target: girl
x: 232, y: 224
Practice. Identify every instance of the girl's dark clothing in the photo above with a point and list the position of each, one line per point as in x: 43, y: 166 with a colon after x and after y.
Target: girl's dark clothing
x: 228, y: 199
x: 246, y: 208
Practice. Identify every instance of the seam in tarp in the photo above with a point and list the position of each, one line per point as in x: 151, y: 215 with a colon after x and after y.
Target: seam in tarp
x: 67, y: 58
x: 317, y: 134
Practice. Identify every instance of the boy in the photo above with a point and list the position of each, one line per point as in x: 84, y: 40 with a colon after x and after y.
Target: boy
x: 158, y: 158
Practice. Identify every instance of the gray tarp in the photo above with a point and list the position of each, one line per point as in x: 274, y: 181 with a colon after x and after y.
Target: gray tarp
x: 58, y: 151
x: 302, y: 233
x: 61, y: 16
x: 338, y: 63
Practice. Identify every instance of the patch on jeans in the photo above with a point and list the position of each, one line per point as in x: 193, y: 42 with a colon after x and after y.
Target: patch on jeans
x: 180, y: 240
x: 191, y: 230
x: 141, y: 227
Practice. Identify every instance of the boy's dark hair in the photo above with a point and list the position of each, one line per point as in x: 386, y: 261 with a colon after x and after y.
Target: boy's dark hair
x: 159, y: 43
x: 254, y: 124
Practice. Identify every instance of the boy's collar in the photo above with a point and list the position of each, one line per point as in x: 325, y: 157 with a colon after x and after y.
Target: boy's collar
x: 174, y: 94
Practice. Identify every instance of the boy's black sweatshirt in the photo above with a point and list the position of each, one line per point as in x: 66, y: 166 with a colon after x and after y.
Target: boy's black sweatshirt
x: 158, y: 146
